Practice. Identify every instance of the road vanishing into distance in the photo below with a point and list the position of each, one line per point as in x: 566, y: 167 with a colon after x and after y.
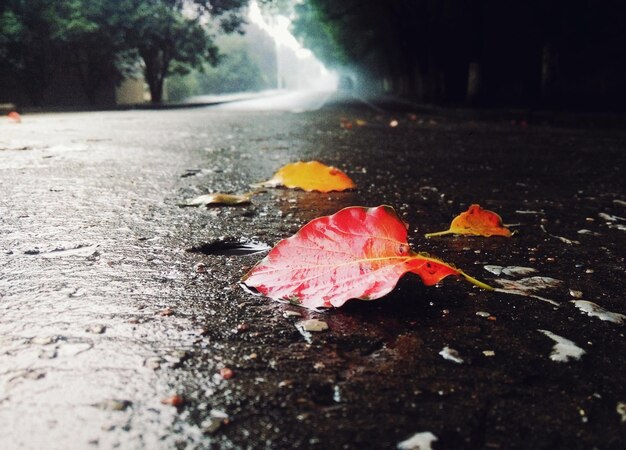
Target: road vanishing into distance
x: 123, y: 323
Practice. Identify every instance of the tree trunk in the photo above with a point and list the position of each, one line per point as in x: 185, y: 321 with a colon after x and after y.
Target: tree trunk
x: 155, y: 70
x: 473, y: 83
x: 156, y: 90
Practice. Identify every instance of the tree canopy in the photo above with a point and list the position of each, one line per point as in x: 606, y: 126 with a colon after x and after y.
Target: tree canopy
x: 171, y: 36
x: 103, y: 41
x: 550, y: 51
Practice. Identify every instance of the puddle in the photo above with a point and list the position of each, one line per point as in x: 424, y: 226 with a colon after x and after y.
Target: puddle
x: 230, y: 248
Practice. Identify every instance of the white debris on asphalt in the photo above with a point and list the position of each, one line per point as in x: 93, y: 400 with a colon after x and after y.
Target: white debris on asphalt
x: 564, y: 349
x: 305, y: 327
x: 512, y: 271
x: 451, y: 355
x: 621, y: 410
x: 312, y: 325
x: 419, y: 441
x: 595, y: 310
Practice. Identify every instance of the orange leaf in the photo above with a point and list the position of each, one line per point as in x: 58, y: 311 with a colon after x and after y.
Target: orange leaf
x: 310, y: 176
x: 14, y: 117
x: 356, y: 253
x: 477, y: 222
x: 174, y: 400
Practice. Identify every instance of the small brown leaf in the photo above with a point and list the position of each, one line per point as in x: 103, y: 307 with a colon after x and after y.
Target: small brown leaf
x: 219, y: 200
x: 175, y: 400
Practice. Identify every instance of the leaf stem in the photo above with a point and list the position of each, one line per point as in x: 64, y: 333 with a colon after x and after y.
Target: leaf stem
x: 438, y: 233
x: 475, y: 282
x: 255, y: 192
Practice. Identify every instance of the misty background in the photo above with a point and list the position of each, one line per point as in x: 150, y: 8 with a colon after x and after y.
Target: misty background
x: 103, y: 53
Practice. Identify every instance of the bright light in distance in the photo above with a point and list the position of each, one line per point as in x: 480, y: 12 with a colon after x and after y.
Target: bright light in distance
x: 278, y: 29
x: 307, y: 72
x: 304, y: 53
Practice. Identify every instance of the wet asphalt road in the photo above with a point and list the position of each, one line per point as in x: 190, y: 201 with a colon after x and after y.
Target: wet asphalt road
x: 105, y: 317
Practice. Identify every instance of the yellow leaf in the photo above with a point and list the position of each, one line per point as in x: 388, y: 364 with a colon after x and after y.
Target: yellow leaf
x: 477, y: 222
x: 310, y: 176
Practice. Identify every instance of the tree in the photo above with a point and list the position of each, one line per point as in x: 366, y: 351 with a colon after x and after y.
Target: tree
x: 85, y: 39
x: 246, y: 63
x: 31, y: 43
x: 237, y: 70
x: 96, y: 43
x: 171, y: 36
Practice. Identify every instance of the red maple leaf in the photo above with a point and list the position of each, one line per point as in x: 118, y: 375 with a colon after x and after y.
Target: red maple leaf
x: 357, y: 253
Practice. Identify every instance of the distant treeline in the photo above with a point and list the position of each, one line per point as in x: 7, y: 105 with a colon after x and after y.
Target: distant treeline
x: 561, y: 53
x: 97, y: 43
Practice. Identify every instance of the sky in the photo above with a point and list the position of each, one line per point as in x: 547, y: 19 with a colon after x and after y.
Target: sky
x: 278, y: 29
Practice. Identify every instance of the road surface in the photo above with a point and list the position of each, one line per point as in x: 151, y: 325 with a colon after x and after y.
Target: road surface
x: 113, y: 334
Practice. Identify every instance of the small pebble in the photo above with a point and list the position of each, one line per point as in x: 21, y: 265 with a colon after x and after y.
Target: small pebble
x: 153, y: 363
x: 215, y: 421
x: 312, y: 325
x: 114, y: 405
x: 575, y: 294
x: 166, y: 312
x: 43, y: 340
x: 96, y: 329
x: 621, y: 410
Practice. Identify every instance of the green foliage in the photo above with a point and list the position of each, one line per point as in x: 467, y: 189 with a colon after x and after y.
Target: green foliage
x: 102, y: 41
x: 237, y: 70
x: 96, y: 43
x: 179, y: 87
x: 171, y: 37
x: 31, y: 42
x: 319, y: 34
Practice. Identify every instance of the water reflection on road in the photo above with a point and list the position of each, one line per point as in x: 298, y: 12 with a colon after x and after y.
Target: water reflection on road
x: 293, y: 101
